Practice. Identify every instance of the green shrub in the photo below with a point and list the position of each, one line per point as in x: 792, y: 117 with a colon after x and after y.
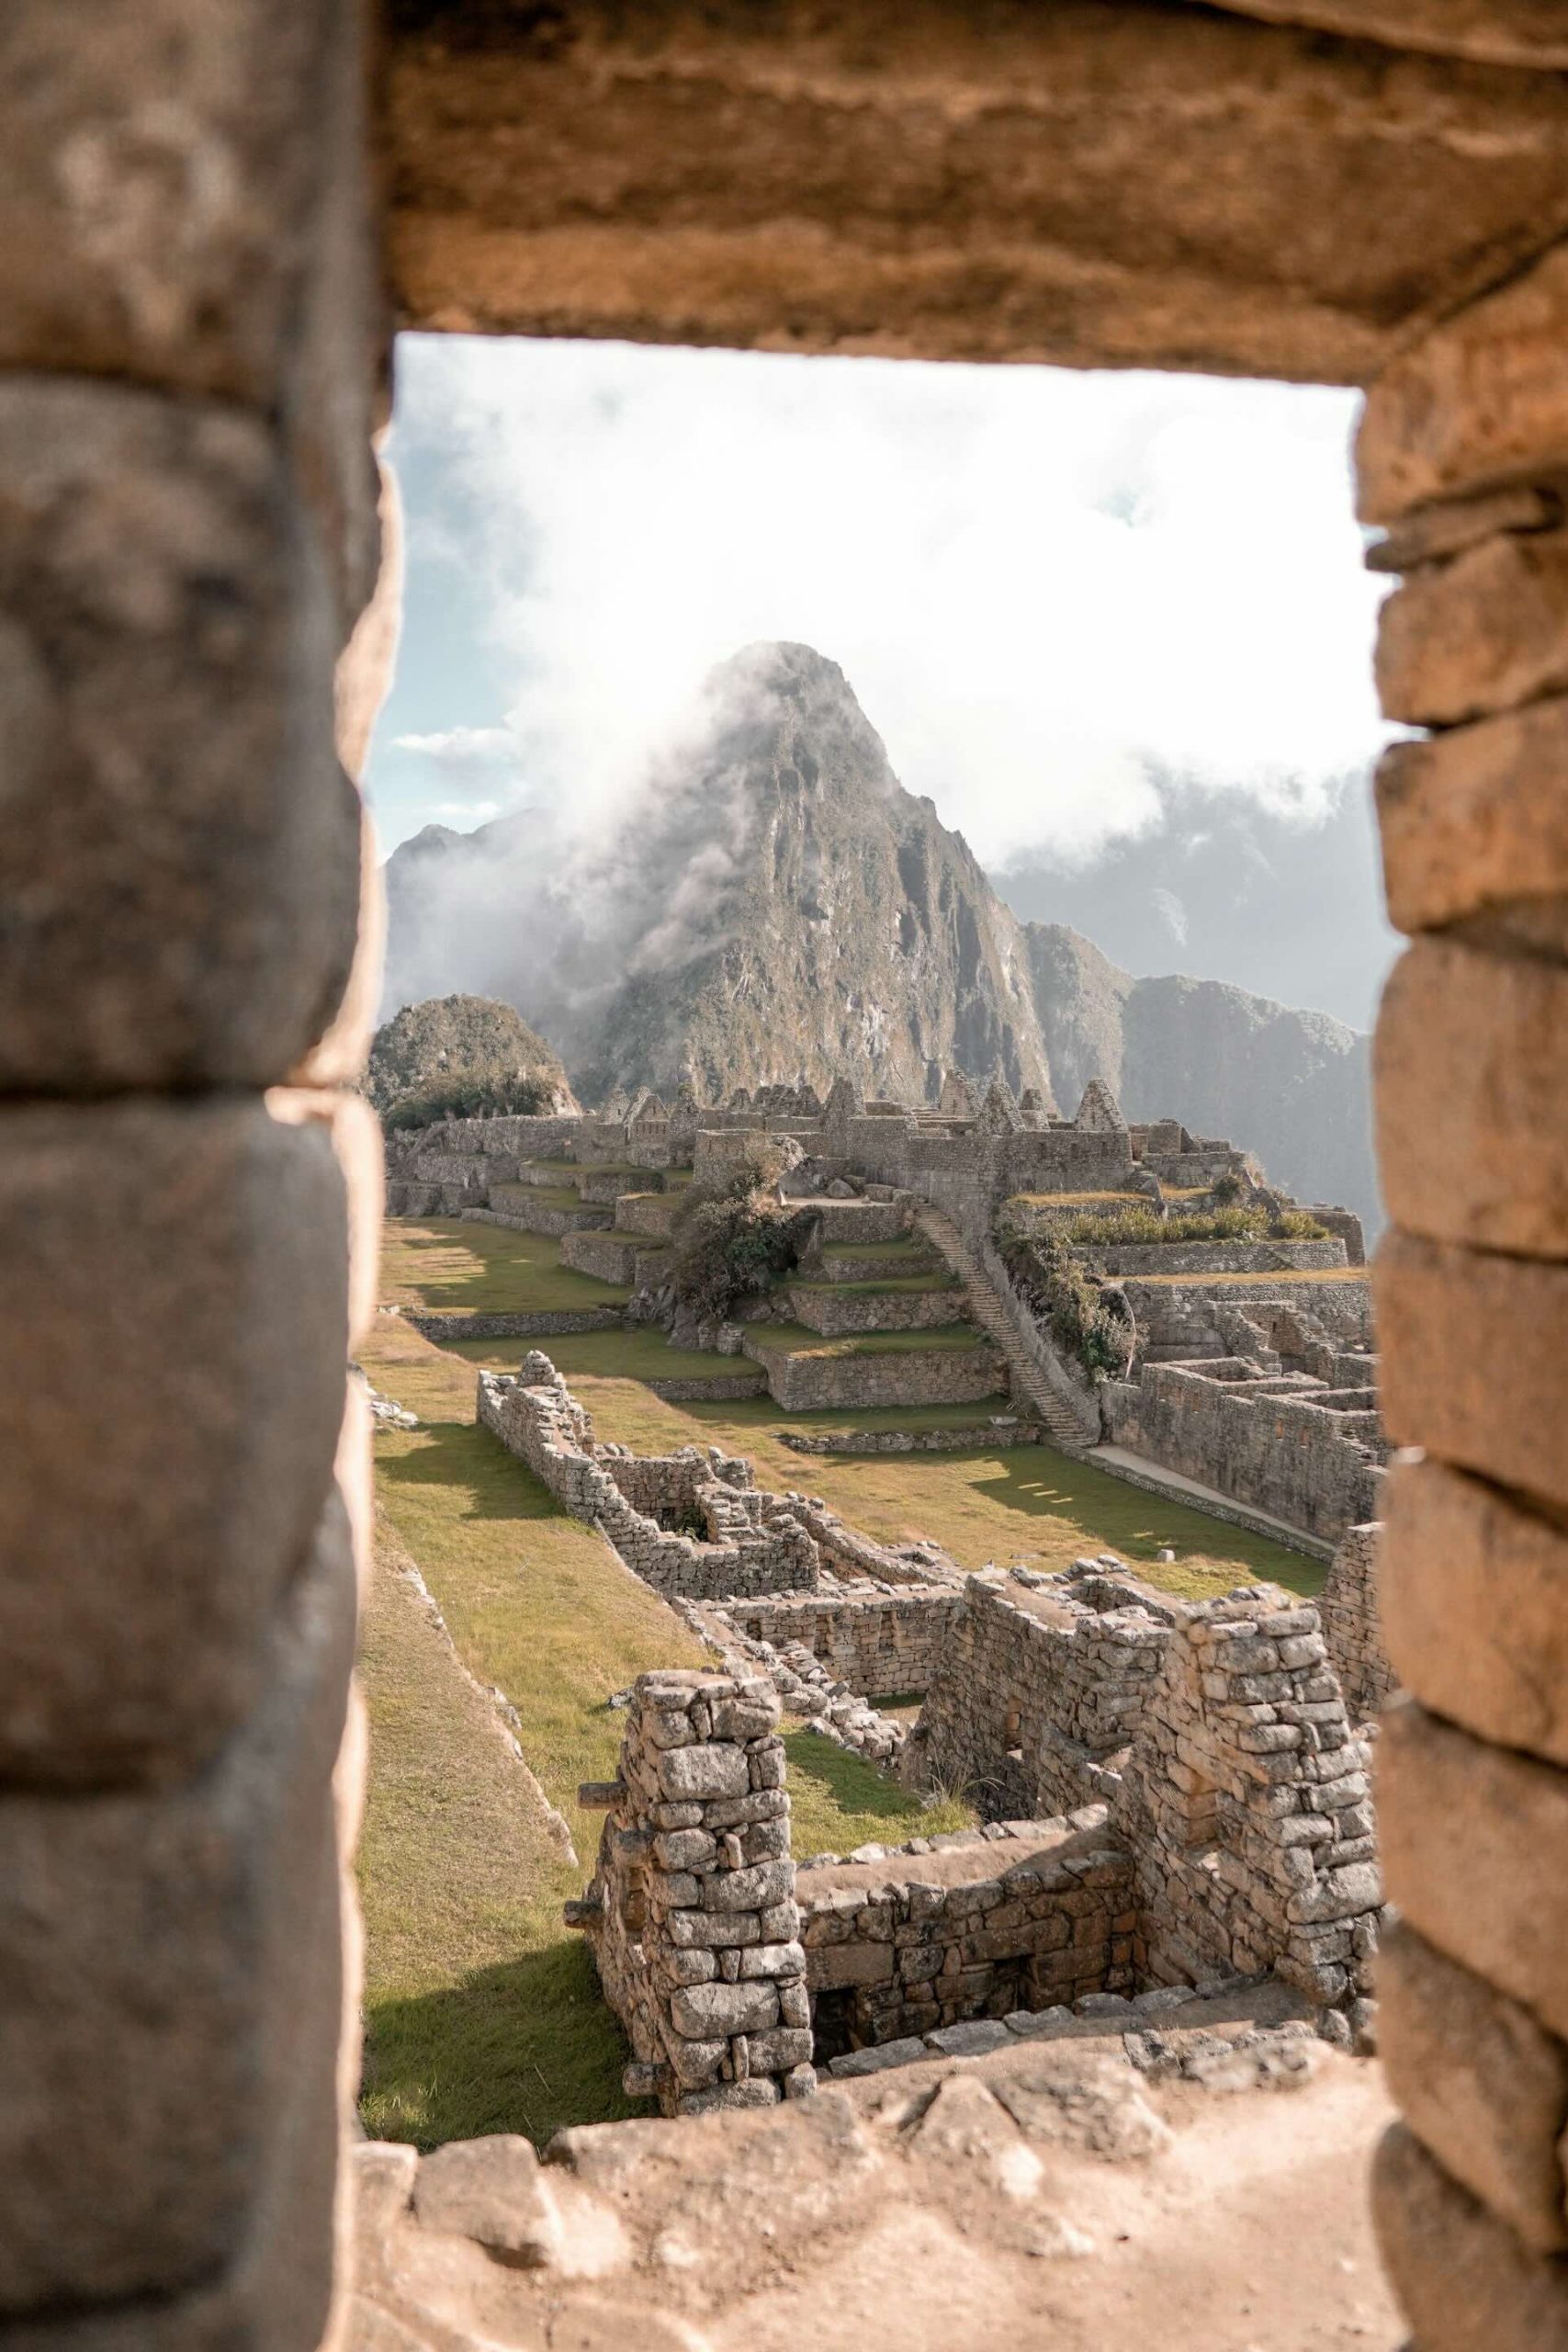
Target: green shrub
x: 469, y: 1098
x: 731, y: 1238
x: 1226, y: 1188
x: 1086, y: 1320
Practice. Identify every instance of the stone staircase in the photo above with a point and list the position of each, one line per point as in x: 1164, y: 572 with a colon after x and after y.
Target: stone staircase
x: 997, y: 1317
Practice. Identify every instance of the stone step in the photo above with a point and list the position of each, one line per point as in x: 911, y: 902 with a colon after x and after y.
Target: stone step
x: 647, y: 1213
x: 801, y: 1382
x: 610, y: 1257
x: 556, y: 1210
x: 890, y: 1261
x: 835, y: 1310
x: 997, y: 1319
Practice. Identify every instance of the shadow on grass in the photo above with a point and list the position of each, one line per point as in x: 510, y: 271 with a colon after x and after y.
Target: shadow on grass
x: 461, y: 1457
x: 1039, y: 1483
x: 847, y: 1780
x: 530, y: 2046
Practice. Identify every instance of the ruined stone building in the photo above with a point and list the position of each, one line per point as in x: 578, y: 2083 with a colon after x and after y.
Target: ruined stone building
x: 214, y: 213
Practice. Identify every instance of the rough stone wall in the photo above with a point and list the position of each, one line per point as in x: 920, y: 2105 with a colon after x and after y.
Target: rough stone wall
x: 692, y: 1910
x: 1273, y: 1443
x: 1244, y: 1800
x: 882, y: 1644
x: 1462, y: 449
x: 1038, y: 1684
x: 1347, y: 1606
x: 538, y: 1418
x: 1183, y: 1318
x: 899, y: 1950
x: 190, y: 353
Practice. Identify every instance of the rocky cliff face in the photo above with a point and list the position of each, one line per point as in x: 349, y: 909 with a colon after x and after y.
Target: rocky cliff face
x: 779, y: 904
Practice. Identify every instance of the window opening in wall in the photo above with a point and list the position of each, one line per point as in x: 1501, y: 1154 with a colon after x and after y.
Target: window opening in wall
x: 845, y: 822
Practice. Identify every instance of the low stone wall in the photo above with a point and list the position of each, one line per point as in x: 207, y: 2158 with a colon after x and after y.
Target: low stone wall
x: 909, y: 1942
x: 803, y: 1384
x: 691, y: 1911
x: 881, y: 1645
x: 962, y: 1436
x: 1038, y: 1684
x: 1267, y: 1442
x: 1347, y: 1606
x: 754, y: 1545
x: 548, y: 1323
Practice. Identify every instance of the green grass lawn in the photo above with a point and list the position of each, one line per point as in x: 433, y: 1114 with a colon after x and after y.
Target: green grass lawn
x: 839, y: 1801
x: 445, y: 1265
x: 796, y: 1340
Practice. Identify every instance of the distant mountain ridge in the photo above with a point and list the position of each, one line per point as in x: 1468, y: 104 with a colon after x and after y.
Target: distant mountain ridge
x: 778, y: 904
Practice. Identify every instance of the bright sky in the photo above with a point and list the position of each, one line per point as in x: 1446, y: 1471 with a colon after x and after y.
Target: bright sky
x: 1035, y: 580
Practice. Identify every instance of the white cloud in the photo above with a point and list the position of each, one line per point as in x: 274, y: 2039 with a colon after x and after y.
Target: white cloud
x: 1034, y: 580
x: 462, y: 745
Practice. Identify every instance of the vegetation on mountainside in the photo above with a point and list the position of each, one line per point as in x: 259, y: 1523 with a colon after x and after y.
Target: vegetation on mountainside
x: 463, y: 1056
x: 469, y: 1097
x: 733, y: 1239
x: 1145, y: 1225
x: 1087, y: 1320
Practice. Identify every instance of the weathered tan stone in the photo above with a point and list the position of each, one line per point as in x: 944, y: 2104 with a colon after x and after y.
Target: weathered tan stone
x: 169, y: 1970
x: 170, y: 1396
x: 1483, y: 633
x: 489, y: 2190
x: 1432, y: 533
x: 1015, y: 182
x: 1473, y: 1591
x: 1445, y: 1799
x: 1466, y: 2282
x: 1471, y: 1342
x: 1478, y: 402
x: 180, y: 862
x: 1476, y: 819
x: 1480, y: 2084
x: 159, y: 184
x: 355, y: 1133
x: 1471, y: 1070
x: 1511, y: 32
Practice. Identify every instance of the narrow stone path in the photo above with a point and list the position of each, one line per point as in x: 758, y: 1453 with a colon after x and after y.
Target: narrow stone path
x: 996, y: 1317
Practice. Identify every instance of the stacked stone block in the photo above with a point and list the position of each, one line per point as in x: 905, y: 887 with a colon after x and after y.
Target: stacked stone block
x: 1461, y: 458
x: 1347, y: 1608
x: 1039, y: 1687
x: 900, y: 1952
x: 692, y: 1910
x: 882, y: 1644
x: 190, y: 355
x: 1246, y: 1802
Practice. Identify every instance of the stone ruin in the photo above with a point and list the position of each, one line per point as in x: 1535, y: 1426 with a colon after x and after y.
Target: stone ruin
x: 1180, y: 1786
x: 1192, y: 1813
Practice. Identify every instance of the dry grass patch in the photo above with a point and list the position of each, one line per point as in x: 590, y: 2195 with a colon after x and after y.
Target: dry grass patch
x: 482, y: 2013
